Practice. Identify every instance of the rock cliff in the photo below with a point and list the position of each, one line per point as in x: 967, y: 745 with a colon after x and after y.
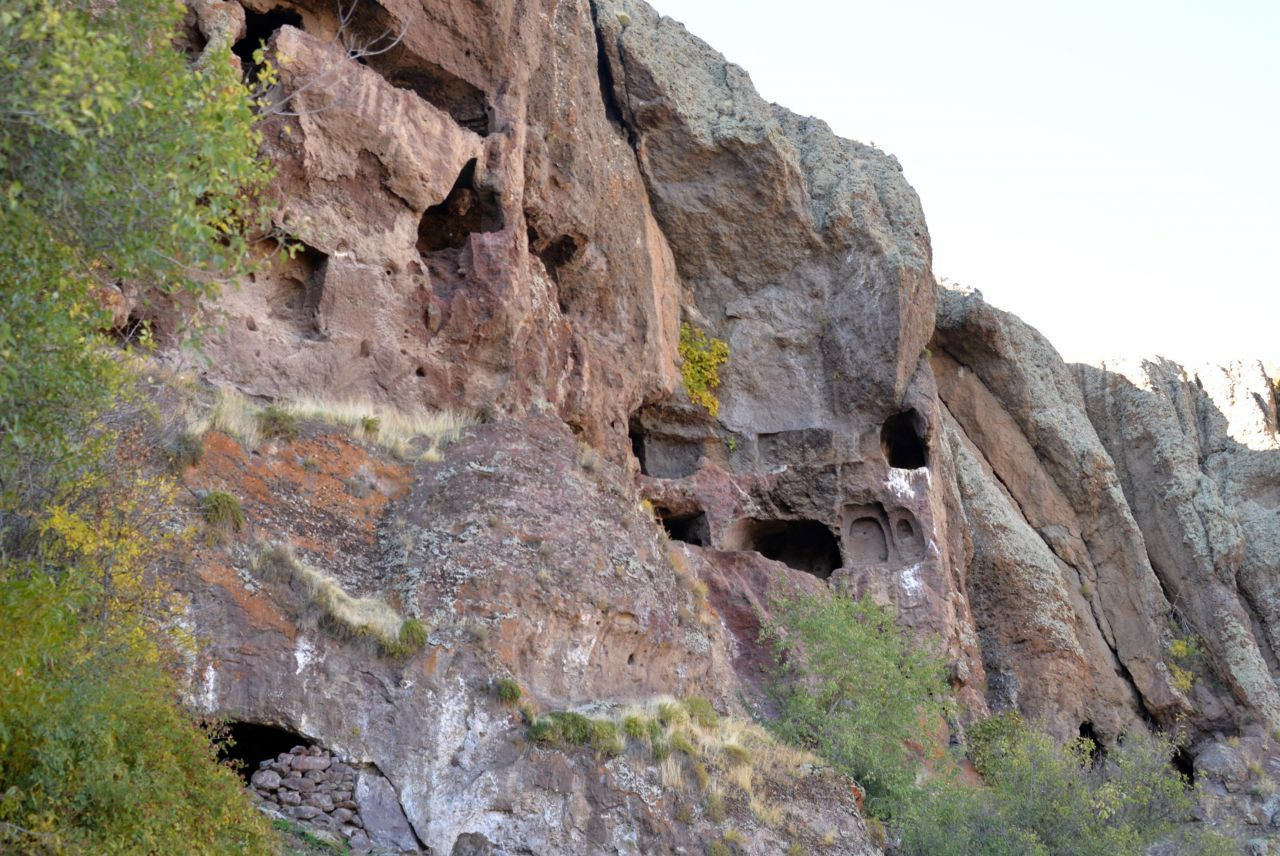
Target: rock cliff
x: 509, y: 210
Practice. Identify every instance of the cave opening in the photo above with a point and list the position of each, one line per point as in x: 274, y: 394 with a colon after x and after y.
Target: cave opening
x: 135, y: 330
x: 902, y: 440
x: 467, y: 104
x: 806, y: 545
x: 688, y: 528
x: 259, y: 27
x: 1098, y: 752
x: 375, y: 39
x: 251, y: 743
x: 300, y: 288
x: 1184, y: 764
x: 635, y: 433
x: 467, y: 209
x: 555, y: 254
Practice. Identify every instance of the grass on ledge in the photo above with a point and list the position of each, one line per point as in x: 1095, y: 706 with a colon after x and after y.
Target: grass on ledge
x: 351, y: 617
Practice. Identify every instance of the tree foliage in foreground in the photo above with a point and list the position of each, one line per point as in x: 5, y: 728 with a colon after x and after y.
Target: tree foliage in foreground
x: 852, y: 688
x: 120, y: 167
x: 1043, y: 798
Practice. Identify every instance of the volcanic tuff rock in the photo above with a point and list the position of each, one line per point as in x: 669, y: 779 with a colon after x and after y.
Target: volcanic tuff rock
x: 510, y: 210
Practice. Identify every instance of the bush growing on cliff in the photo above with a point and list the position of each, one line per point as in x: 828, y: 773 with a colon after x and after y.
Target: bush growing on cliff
x: 854, y: 690
x: 1042, y: 797
x: 95, y: 755
x: 702, y: 358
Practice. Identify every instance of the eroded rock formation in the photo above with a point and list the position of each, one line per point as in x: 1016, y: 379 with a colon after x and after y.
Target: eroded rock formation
x: 510, y: 211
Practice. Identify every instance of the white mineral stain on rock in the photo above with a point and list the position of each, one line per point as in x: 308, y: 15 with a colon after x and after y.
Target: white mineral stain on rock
x: 304, y: 654
x: 911, y: 584
x: 209, y: 689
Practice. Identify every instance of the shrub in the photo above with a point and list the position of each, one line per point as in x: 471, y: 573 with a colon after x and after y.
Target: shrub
x: 187, y: 450
x: 635, y: 727
x: 853, y: 689
x: 1047, y: 798
x: 95, y: 755
x: 715, y: 807
x: 508, y: 691
x: 222, y: 511
x: 701, y: 711
x: 702, y: 357
x: 277, y: 423
x: 989, y: 739
x: 413, y: 635
x: 370, y: 426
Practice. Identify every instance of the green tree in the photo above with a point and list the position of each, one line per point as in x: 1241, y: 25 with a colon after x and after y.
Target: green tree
x: 1043, y: 797
x: 121, y: 166
x: 854, y: 689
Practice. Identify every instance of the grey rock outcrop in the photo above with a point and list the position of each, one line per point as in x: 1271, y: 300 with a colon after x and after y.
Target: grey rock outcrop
x: 1199, y: 458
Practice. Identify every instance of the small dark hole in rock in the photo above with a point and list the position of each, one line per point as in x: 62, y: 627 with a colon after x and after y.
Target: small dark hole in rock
x: 689, y: 528
x: 259, y: 27
x: 636, y: 434
x: 421, y: 372
x: 253, y: 743
x: 902, y: 441
x: 1099, y: 752
x: 631, y: 659
x: 1184, y: 764
x: 465, y: 210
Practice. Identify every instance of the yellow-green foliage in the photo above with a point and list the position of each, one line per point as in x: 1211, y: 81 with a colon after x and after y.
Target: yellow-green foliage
x: 95, y: 755
x: 277, y: 423
x: 222, y: 511
x: 1184, y: 655
x: 508, y: 691
x: 1045, y: 798
x: 347, y: 615
x: 118, y: 163
x: 851, y: 685
x: 702, y: 356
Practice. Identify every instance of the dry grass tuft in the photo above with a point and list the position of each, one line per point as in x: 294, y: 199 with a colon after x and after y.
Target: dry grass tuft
x: 352, y: 616
x: 231, y: 414
x: 389, y: 428
x: 692, y: 745
x: 394, y: 430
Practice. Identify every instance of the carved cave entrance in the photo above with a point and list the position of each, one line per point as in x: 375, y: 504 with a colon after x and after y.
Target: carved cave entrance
x: 253, y: 742
x: 805, y: 545
x: 902, y: 441
x: 689, y: 528
x: 465, y: 210
x: 259, y: 27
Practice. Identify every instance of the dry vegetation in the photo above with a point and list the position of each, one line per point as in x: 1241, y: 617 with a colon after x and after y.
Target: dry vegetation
x: 351, y: 616
x: 420, y: 436
x: 695, y: 750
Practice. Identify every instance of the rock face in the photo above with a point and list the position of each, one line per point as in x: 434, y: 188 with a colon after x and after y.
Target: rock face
x: 511, y: 212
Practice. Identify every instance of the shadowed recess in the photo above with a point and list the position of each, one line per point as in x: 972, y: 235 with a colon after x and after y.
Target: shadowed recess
x: 805, y: 545
x: 253, y: 742
x: 902, y: 441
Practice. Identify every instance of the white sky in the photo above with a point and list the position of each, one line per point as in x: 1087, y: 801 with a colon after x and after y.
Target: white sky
x: 1109, y: 171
